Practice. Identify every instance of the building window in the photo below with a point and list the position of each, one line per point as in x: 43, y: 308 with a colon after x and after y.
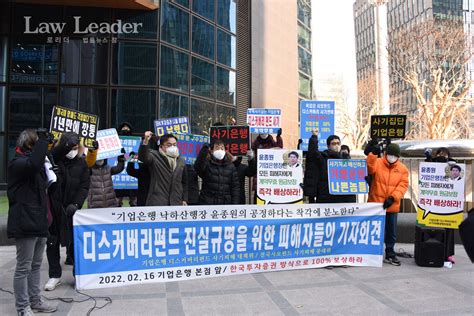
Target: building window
x: 225, y: 85
x: 304, y: 13
x: 3, y: 106
x: 224, y: 114
x: 304, y: 61
x: 174, y: 25
x: 226, y: 14
x: 3, y: 58
x: 305, y: 87
x: 134, y: 63
x: 304, y: 37
x: 202, y: 116
x: 124, y: 108
x: 173, y: 105
x: 174, y: 69
x: 34, y: 63
x: 30, y: 107
x: 226, y: 49
x: 148, y: 20
x: 203, y: 38
x: 204, y: 8
x: 202, y: 80
x: 87, y: 100
x: 83, y: 63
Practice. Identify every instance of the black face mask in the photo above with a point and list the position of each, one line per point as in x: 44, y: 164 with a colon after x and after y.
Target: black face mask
x: 345, y: 155
x: 126, y: 132
x: 440, y: 159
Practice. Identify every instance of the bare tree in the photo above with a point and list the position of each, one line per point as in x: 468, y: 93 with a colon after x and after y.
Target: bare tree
x: 431, y: 56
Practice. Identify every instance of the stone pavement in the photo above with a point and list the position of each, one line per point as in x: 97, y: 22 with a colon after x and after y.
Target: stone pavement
x: 407, y: 289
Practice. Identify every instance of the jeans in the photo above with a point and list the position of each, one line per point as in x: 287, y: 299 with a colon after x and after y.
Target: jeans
x: 390, y: 233
x: 26, y: 280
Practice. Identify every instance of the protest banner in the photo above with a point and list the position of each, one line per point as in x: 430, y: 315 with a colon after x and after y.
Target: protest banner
x: 387, y: 126
x: 235, y: 138
x: 109, y: 144
x: 190, y: 146
x: 123, y: 180
x: 316, y: 115
x: 347, y: 176
x: 264, y: 121
x: 441, y: 194
x: 124, y: 246
x: 279, y: 176
x: 67, y: 120
x: 174, y: 125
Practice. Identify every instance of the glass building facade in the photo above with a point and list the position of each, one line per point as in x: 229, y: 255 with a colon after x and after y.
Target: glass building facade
x: 305, y: 87
x: 181, y: 62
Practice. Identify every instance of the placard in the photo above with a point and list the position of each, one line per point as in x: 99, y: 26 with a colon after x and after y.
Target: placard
x: 190, y: 146
x: 235, y: 138
x: 123, y: 180
x: 109, y: 144
x: 174, y: 125
x: 347, y: 176
x: 316, y: 115
x: 264, y: 121
x: 387, y: 126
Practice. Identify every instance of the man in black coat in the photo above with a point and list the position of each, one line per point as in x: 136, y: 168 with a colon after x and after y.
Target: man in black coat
x: 125, y: 129
x: 28, y: 218
x: 220, y: 180
x: 67, y: 197
x: 317, y: 170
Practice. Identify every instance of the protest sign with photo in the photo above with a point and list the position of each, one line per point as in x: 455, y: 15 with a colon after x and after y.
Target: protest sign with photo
x: 190, y: 146
x: 316, y: 115
x: 174, y: 125
x: 125, y: 246
x: 279, y: 176
x: 441, y: 194
x: 67, y: 120
x: 109, y: 144
x: 235, y: 138
x: 347, y: 176
x: 264, y: 121
x: 387, y: 126
x: 123, y: 180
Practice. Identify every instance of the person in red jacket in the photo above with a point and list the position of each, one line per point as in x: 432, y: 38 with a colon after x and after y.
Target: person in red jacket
x: 389, y: 184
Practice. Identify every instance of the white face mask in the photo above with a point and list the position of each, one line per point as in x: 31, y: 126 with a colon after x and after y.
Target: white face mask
x: 99, y: 162
x: 172, y: 151
x: 72, y: 154
x: 335, y: 148
x: 392, y: 159
x: 263, y: 136
x: 219, y: 154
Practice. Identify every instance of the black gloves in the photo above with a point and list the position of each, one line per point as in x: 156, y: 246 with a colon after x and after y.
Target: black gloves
x: 428, y: 152
x: 388, y: 202
x: 279, y: 132
x: 373, y: 147
x: 44, y: 134
x: 95, y: 145
x: 121, y: 158
x: 300, y: 141
x: 71, y: 209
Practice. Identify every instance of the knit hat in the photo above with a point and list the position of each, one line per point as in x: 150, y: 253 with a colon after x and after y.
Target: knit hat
x: 393, y: 149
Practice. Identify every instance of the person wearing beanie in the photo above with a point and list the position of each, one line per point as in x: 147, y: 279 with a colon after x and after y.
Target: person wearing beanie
x: 389, y: 184
x: 316, y: 182
x: 126, y: 129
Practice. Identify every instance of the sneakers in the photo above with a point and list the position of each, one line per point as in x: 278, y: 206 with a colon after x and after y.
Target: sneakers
x: 52, y: 284
x: 43, y: 307
x: 392, y: 260
x: 26, y: 312
x: 451, y: 259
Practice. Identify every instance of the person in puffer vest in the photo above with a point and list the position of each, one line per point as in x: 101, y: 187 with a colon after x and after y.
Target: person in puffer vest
x: 101, y: 190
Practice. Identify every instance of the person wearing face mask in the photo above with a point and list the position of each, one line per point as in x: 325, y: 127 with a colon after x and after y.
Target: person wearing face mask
x: 220, y: 180
x: 101, y: 190
x: 28, y: 218
x: 68, y: 196
x: 316, y: 182
x: 443, y: 155
x: 389, y: 185
x: 168, y: 177
x: 125, y: 129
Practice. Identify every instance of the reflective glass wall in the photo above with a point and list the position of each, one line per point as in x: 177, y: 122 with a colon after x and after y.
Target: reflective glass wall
x: 180, y: 62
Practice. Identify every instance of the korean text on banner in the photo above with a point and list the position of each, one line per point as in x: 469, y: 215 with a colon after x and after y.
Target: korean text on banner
x: 174, y: 125
x: 441, y: 194
x: 235, y: 138
x: 316, y: 115
x: 123, y: 246
x: 387, y: 126
x: 347, y: 176
x: 190, y: 146
x: 109, y: 144
x: 279, y: 176
x: 264, y: 121
x: 66, y: 120
x: 123, y: 180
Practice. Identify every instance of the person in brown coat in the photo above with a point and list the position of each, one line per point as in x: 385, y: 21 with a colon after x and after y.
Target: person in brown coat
x: 101, y: 189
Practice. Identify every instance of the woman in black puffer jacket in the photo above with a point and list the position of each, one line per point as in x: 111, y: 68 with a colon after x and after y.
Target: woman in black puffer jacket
x: 220, y: 180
